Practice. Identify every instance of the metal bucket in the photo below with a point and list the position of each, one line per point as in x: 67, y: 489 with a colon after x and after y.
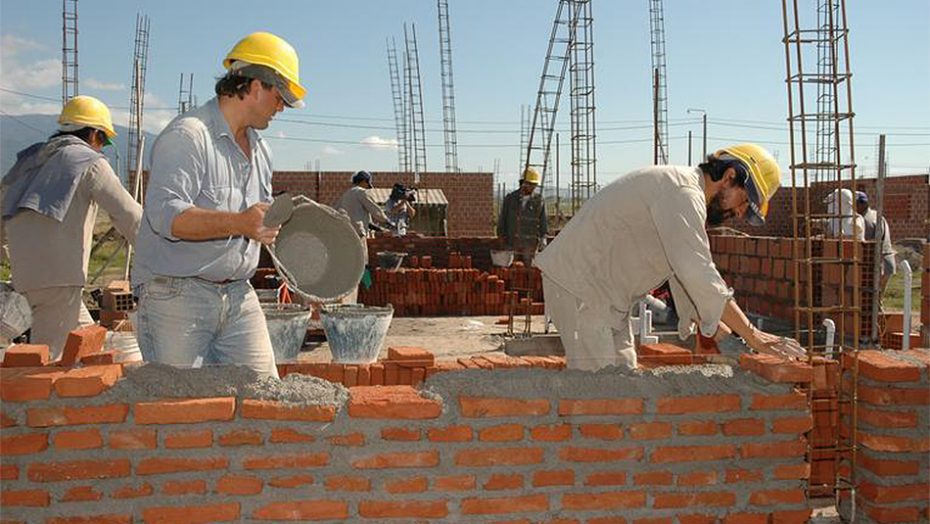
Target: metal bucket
x: 502, y: 258
x: 355, y: 332
x: 390, y: 260
x: 287, y: 326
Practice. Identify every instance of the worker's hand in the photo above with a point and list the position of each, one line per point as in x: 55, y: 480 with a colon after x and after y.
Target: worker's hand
x: 251, y: 224
x: 722, y: 332
x: 770, y: 344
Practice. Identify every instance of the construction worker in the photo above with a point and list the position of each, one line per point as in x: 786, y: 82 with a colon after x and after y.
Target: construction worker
x: 209, y: 189
x: 522, y: 223
x: 50, y: 202
x: 647, y: 227
x: 877, y: 232
x: 846, y: 222
x: 361, y: 207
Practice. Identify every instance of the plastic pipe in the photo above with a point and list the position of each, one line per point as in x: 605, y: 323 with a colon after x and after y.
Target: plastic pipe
x: 831, y: 333
x: 908, y: 281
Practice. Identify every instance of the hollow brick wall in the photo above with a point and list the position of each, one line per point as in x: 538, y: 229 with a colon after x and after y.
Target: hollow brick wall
x: 482, y: 446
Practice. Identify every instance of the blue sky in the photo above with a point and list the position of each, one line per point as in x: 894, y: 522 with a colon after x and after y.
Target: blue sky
x: 724, y: 56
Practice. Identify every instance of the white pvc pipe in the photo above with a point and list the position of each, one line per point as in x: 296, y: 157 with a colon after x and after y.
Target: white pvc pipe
x: 831, y: 333
x: 908, y: 281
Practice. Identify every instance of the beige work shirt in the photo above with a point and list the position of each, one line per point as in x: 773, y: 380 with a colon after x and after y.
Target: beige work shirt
x: 46, y: 253
x: 644, y: 228
x: 361, y: 207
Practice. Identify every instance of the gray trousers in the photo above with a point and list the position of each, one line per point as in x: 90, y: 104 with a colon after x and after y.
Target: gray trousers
x: 55, y: 312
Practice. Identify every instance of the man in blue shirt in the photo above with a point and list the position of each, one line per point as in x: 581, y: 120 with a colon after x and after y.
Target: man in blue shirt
x: 202, y: 227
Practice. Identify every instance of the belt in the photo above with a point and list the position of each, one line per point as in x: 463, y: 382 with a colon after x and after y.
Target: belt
x: 219, y: 282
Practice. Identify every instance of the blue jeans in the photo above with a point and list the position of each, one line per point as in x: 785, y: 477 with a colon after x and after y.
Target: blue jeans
x: 180, y: 319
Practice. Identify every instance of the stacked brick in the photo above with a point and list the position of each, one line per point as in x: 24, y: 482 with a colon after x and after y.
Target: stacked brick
x: 115, y: 305
x: 83, y: 345
x: 893, y: 434
x: 732, y: 451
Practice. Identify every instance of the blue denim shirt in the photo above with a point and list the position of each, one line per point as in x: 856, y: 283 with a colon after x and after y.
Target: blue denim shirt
x: 197, y: 163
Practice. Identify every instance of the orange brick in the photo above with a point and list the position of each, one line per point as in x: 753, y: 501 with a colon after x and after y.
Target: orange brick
x: 297, y: 460
x: 7, y: 421
x: 133, y: 491
x: 92, y: 519
x: 241, y: 437
x: 80, y: 439
x: 455, y: 483
x: 624, y: 406
x: 574, y: 454
x: 200, y: 438
x: 894, y: 444
x: 400, y: 402
x: 25, y: 355
x: 81, y: 494
x: 499, y: 456
x: 697, y: 428
x: 601, y: 431
x: 650, y: 430
x: 406, y: 509
x: 184, y: 487
x: 563, y: 477
x: 789, y: 401
x: 66, y: 416
x: 502, y: 407
x: 604, y: 501
x: 274, y: 410
x: 504, y: 481
x: 884, y: 367
x: 160, y: 465
x: 24, y: 444
x: 792, y: 471
x: 290, y: 436
x: 698, y: 404
x: 141, y: 438
x: 551, y: 433
x: 406, y: 485
x: 78, y: 469
x: 501, y: 433
x: 773, y: 449
x: 681, y: 500
x: 9, y: 472
x: 606, y: 478
x: 291, y: 481
x: 36, y: 498
x: 24, y: 384
x: 667, y: 454
x: 411, y: 353
x: 771, y: 497
x: 743, y: 427
x: 653, y: 478
x: 888, y: 468
x: 303, y: 510
x: 99, y: 359
x: 232, y: 484
x: 204, y: 513
x: 186, y: 411
x: 400, y: 434
x: 792, y: 424
x: 697, y: 478
x: 887, y: 419
x: 414, y: 459
x: 88, y: 382
x: 885, y: 396
x: 82, y: 342
x: 490, y: 506
x: 450, y: 434
x: 776, y: 369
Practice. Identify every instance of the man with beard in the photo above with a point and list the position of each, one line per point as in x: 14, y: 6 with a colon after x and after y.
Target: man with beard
x: 643, y: 229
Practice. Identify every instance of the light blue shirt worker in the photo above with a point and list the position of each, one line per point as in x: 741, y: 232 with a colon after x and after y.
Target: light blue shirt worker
x: 196, y: 162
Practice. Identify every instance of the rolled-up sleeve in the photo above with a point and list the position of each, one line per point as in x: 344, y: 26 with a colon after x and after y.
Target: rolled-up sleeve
x: 174, y: 180
x: 109, y: 193
x: 680, y: 224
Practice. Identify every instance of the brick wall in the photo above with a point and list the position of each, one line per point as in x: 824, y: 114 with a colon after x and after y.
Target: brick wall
x: 470, y: 195
x: 532, y: 445
x: 906, y: 207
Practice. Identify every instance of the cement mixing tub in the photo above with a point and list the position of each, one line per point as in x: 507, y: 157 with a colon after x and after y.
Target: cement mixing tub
x: 355, y: 332
x: 502, y: 258
x: 287, y: 326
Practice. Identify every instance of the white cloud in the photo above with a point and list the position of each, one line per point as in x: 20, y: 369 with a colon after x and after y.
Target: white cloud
x: 376, y: 142
x: 19, y: 75
x: 281, y: 134
x: 93, y: 83
x: 331, y: 151
x: 11, y: 45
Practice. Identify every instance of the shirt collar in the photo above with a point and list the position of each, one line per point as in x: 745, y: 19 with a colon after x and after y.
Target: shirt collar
x: 219, y: 127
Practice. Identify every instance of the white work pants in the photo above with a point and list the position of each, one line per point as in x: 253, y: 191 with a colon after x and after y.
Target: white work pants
x: 55, y: 312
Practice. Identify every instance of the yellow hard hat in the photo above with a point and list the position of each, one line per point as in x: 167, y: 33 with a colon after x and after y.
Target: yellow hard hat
x: 763, y: 178
x: 270, y: 51
x: 532, y: 176
x: 87, y: 111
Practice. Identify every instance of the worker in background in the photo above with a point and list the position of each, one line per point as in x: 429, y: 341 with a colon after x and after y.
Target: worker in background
x: 361, y: 207
x: 50, y: 202
x: 877, y: 232
x: 399, y: 208
x: 209, y: 189
x: 847, y: 223
x: 522, y: 224
x: 647, y: 227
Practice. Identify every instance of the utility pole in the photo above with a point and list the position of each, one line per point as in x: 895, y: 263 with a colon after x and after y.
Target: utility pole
x: 703, y: 130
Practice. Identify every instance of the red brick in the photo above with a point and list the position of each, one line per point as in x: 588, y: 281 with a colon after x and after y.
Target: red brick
x: 406, y: 485
x: 303, y: 510
x: 574, y: 454
x: 297, y: 460
x: 24, y: 384
x: 697, y: 519
x: 350, y: 440
x: 746, y: 518
x: 88, y: 382
x: 7, y: 421
x: 564, y: 477
x: 186, y: 411
x: 81, y: 494
x: 405, y: 509
x: 502, y: 407
x: 499, y: 456
x: 885, y: 396
x: 888, y: 468
x: 894, y: 444
x: 24, y: 444
x: 799, y: 516
x: 884, y: 367
x: 25, y: 355
x: 792, y: 471
x: 551, y: 433
x: 199, y: 438
x: 450, y: 434
x: 604, y: 501
x: 221, y: 512
x: 80, y: 439
x: 400, y: 434
x: 413, y: 459
x: 666, y: 454
x: 773, y: 449
x: 184, y: 487
x: 504, y: 481
x: 887, y: 419
x: 66, y: 416
x: 82, y: 342
x: 99, y: 359
x: 136, y: 438
x: 788, y: 401
x: 606, y: 478
x: 650, y: 430
x: 9, y: 472
x: 397, y: 402
x: 290, y: 436
x: 274, y: 410
x: 743, y: 427
x: 239, y: 485
x: 698, y: 404
x: 455, y: 483
x: 501, y: 433
x: 241, y: 437
x: 133, y: 491
x: 792, y: 424
x: 681, y: 500
x: 411, y: 353
x: 697, y: 428
x: 601, y: 431
x: 776, y: 369
x: 623, y: 406
x: 35, y: 498
x: 78, y: 469
x: 490, y: 506
x: 891, y: 494
x: 697, y: 478
x: 772, y: 497
x: 893, y: 514
x: 160, y: 465
x: 291, y: 481
x: 92, y: 519
x: 653, y: 478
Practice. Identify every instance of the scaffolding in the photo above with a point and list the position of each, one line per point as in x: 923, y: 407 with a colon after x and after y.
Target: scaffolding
x: 827, y: 271
x: 398, y: 95
x: 69, y: 50
x: 659, y: 93
x: 137, y: 94
x: 415, y: 102
x: 581, y: 69
x: 186, y: 95
x: 448, y: 89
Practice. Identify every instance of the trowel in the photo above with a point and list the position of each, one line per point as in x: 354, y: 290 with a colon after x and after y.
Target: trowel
x: 280, y: 210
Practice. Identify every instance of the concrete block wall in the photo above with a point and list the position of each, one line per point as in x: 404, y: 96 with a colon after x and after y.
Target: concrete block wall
x: 893, y: 422
x: 696, y: 445
x: 470, y: 195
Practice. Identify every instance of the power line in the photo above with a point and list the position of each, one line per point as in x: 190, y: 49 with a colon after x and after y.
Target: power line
x: 37, y: 130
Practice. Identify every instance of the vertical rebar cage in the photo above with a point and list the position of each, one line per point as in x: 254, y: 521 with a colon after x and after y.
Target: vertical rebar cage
x: 827, y: 249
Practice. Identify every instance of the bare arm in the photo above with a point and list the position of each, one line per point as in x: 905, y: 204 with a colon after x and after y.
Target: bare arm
x: 734, y: 319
